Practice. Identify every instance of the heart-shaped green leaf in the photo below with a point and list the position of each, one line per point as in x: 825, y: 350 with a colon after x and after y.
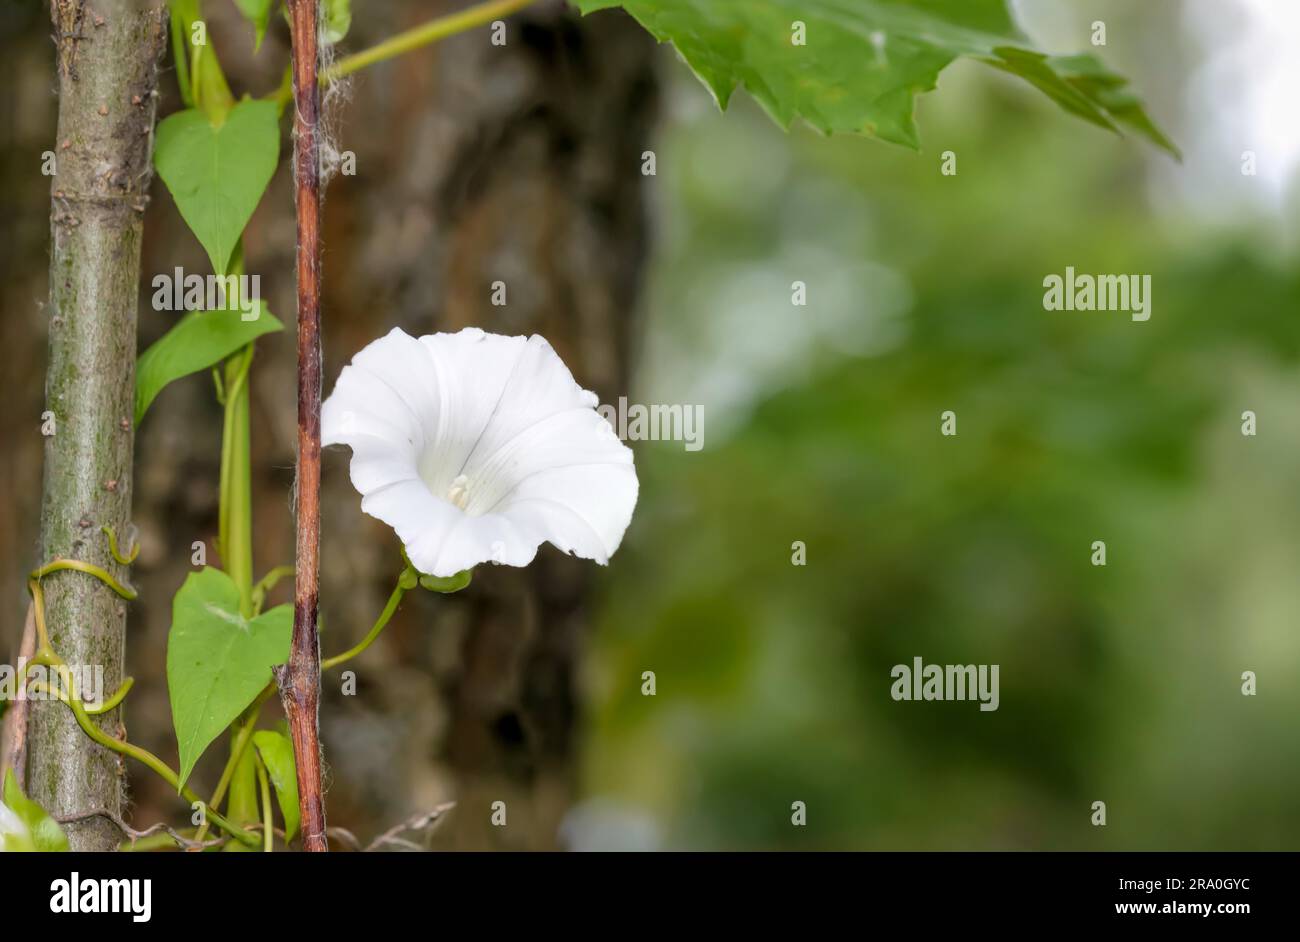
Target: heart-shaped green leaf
x: 198, y: 340
x: 35, y: 830
x: 858, y: 65
x: 276, y: 750
x: 218, y: 661
x: 217, y: 174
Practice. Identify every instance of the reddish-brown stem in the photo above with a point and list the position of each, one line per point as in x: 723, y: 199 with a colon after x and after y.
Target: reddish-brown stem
x: 299, y: 680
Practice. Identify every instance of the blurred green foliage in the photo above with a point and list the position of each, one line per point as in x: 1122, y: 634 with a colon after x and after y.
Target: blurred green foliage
x: 1120, y: 684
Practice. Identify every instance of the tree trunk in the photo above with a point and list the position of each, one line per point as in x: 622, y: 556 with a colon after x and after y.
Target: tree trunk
x: 541, y: 190
x: 107, y: 58
x: 518, y: 163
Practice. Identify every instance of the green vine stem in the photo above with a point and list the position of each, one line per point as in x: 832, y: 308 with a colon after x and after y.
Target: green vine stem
x: 141, y: 755
x: 148, y: 759
x: 112, y: 547
x: 67, y: 692
x: 266, y: 584
x: 113, y: 701
x: 268, y: 825
x: 235, y: 522
x: 405, y: 582
x: 409, y: 40
x: 238, y: 747
x: 58, y: 565
x: 37, y: 686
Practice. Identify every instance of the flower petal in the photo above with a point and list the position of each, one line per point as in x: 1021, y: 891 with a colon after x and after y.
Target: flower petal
x: 478, y: 448
x: 473, y: 370
x: 421, y: 520
x: 539, y: 386
x: 581, y: 509
x: 380, y: 394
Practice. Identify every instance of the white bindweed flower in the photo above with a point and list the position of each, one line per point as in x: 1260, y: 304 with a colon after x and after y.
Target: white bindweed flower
x: 11, y: 827
x: 477, y: 447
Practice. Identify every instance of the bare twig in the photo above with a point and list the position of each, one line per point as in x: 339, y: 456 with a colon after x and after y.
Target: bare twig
x: 13, y: 732
x: 344, y: 836
x: 135, y: 835
x: 419, y: 822
x: 299, y: 680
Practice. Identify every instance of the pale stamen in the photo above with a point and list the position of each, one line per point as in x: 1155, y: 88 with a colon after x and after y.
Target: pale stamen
x: 459, y: 492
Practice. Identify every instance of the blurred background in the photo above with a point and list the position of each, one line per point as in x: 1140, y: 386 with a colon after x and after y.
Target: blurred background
x: 1119, y: 684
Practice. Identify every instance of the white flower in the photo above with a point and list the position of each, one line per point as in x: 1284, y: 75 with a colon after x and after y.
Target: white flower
x: 12, y: 827
x: 477, y: 448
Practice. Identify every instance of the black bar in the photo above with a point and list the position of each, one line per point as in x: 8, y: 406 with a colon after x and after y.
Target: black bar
x: 930, y: 890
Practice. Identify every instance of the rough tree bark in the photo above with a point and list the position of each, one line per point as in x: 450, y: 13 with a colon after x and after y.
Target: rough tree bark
x: 518, y: 163
x: 532, y: 152
x: 107, y: 58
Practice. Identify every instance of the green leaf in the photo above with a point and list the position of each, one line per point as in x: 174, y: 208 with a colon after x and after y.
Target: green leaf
x: 276, y: 750
x: 338, y: 19
x: 1092, y: 79
x: 217, y: 174
x: 197, y: 341
x: 257, y: 12
x: 218, y: 660
x: 43, y: 832
x: 863, y: 62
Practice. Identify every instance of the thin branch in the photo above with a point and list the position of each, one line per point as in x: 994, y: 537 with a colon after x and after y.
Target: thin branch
x: 423, y: 35
x: 299, y: 680
x: 134, y: 835
x: 416, y: 37
x: 344, y: 836
x: 419, y: 822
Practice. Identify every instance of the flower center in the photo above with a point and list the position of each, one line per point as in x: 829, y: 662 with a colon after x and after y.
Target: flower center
x: 458, y: 493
